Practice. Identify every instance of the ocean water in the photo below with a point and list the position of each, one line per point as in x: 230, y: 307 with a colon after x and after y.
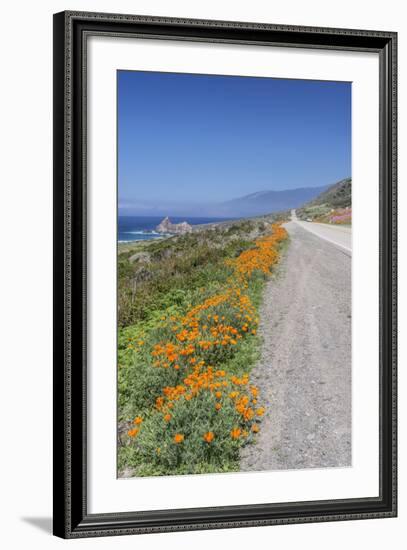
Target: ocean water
x: 142, y: 228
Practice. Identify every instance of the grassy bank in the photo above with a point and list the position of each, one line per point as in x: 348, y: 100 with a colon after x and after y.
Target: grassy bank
x: 187, y: 340
x: 333, y: 206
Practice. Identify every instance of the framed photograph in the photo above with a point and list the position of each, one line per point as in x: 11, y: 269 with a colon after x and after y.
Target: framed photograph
x: 224, y: 274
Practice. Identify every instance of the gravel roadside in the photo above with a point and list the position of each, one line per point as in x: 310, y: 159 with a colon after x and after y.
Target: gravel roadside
x: 304, y: 374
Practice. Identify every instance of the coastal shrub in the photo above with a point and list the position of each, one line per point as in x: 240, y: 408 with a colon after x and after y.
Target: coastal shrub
x: 203, y: 421
x: 185, y: 270
x: 190, y: 409
x: 210, y: 333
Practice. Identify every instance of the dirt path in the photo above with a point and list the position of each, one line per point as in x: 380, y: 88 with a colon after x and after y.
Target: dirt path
x: 305, y: 371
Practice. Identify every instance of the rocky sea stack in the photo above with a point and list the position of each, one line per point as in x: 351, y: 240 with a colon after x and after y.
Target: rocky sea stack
x: 176, y: 228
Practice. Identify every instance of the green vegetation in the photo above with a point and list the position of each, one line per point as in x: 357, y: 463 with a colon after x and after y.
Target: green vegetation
x: 331, y: 206
x: 156, y: 275
x: 186, y: 343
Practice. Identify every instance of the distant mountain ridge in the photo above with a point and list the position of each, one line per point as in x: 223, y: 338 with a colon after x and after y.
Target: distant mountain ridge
x: 254, y: 204
x: 265, y: 202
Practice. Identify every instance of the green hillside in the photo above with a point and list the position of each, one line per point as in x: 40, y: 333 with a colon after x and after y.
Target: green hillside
x: 332, y: 202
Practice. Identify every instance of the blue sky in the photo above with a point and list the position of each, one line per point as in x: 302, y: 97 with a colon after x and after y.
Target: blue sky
x: 193, y: 139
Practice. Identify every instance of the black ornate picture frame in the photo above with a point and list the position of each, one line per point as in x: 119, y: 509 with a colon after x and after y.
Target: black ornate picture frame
x: 71, y: 517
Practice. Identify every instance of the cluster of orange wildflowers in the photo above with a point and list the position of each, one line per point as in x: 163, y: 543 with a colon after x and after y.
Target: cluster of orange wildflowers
x: 202, y: 337
x: 201, y: 333
x: 134, y: 431
x: 221, y: 386
x: 260, y: 258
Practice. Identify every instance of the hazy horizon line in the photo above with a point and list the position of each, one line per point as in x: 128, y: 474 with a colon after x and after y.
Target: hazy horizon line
x: 149, y: 202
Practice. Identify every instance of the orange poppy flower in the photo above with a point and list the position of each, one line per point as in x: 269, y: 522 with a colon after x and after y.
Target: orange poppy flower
x: 235, y: 433
x: 208, y: 437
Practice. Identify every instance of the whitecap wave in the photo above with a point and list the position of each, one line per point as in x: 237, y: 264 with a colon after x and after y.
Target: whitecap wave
x: 147, y: 237
x: 143, y: 232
